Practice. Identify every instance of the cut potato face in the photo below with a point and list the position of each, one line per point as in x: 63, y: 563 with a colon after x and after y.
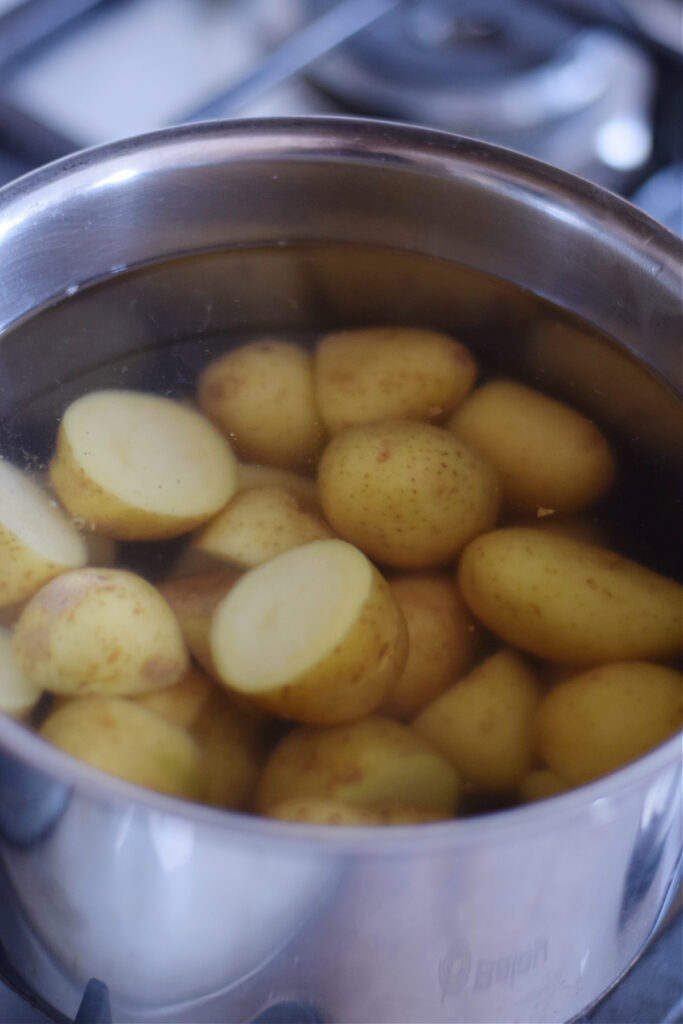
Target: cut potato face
x: 381, y: 373
x: 375, y: 763
x: 568, y: 601
x: 408, y: 494
x: 599, y: 720
x: 18, y: 695
x: 259, y: 523
x: 484, y: 724
x: 314, y: 635
x: 442, y: 638
x: 37, y: 539
x: 261, y: 396
x: 99, y: 631
x: 548, y: 455
x: 139, y: 467
x: 121, y: 738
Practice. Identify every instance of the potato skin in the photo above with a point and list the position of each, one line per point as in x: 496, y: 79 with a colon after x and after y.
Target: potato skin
x: 441, y: 640
x: 408, y: 494
x: 261, y: 396
x: 378, y: 373
x: 568, y: 601
x: 599, y: 720
x: 194, y: 600
x: 374, y: 763
x: 129, y: 741
x: 99, y: 631
x: 259, y: 523
x: 484, y: 723
x: 548, y: 455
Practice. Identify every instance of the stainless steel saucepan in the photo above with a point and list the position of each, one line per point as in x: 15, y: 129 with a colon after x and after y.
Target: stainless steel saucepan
x: 120, y: 265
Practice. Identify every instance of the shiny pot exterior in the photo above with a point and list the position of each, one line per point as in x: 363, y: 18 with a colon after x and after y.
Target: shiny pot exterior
x: 188, y: 913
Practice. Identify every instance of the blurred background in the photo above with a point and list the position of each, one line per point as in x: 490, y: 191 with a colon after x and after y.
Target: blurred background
x: 593, y: 86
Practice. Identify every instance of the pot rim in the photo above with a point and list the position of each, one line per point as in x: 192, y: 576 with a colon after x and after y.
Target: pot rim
x: 360, y: 140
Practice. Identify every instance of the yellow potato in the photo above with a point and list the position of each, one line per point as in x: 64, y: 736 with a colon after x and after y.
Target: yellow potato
x: 99, y: 631
x: 136, y: 466
x: 484, y: 724
x: 261, y: 395
x: 603, y: 718
x: 379, y: 373
x: 548, y: 455
x: 408, y: 494
x: 441, y: 640
x: 259, y: 523
x: 251, y: 475
x: 315, y: 811
x: 18, y: 695
x: 373, y: 763
x: 314, y: 635
x: 194, y: 600
x: 37, y: 540
x: 233, y: 744
x: 541, y: 784
x: 568, y: 601
x: 121, y: 738
x: 182, y: 702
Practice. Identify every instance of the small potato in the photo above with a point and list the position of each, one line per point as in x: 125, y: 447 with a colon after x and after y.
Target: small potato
x: 261, y: 396
x: 441, y: 640
x: 408, y: 494
x: 37, y: 540
x: 568, y: 601
x: 233, y: 744
x: 136, y: 466
x: 374, y: 763
x: 182, y: 702
x: 314, y: 811
x: 121, y: 738
x: 548, y: 455
x: 99, y: 631
x: 381, y: 373
x: 597, y: 721
x: 18, y: 695
x: 541, y: 784
x: 484, y: 724
x: 260, y: 523
x: 314, y: 635
x: 194, y: 600
x: 250, y: 475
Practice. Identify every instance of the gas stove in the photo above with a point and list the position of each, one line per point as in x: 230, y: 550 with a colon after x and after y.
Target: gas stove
x: 592, y: 86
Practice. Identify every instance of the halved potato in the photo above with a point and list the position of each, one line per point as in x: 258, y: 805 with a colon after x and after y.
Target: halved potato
x: 129, y: 741
x: 261, y: 396
x: 104, y: 631
x: 314, y: 635
x: 379, y: 373
x: 137, y: 466
x: 259, y: 523
x: 18, y: 695
x: 375, y: 763
x: 37, y: 539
